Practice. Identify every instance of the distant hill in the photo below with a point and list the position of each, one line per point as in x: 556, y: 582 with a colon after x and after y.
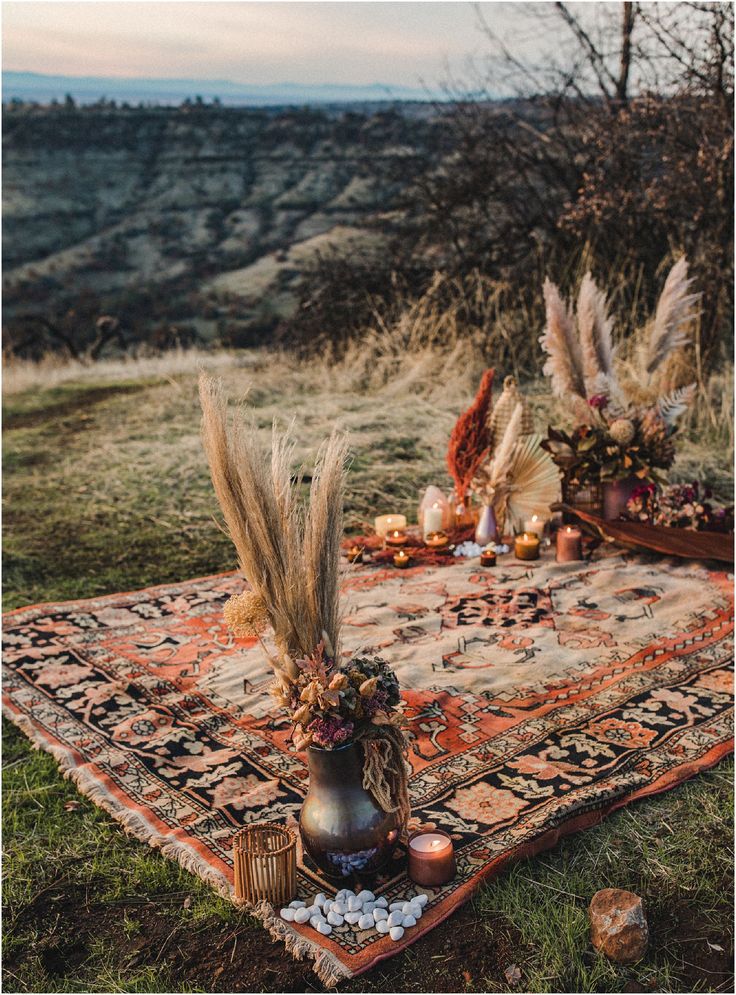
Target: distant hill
x: 199, y: 217
x: 43, y: 89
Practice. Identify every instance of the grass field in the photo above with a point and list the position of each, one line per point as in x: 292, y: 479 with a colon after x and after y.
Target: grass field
x: 105, y: 490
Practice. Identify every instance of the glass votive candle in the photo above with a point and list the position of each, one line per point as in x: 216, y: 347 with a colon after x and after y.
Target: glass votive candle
x: 355, y: 554
x: 526, y: 546
x: 569, y: 544
x: 401, y: 559
x: 387, y: 523
x: 397, y: 538
x: 431, y: 857
x: 488, y: 557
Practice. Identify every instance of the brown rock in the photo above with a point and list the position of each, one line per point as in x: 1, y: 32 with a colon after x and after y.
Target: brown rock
x: 618, y: 926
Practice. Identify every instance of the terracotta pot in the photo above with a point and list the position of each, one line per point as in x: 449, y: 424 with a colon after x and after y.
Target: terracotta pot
x: 343, y: 828
x: 615, y: 495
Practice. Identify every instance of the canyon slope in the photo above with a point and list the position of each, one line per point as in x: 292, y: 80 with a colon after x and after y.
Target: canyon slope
x: 192, y: 223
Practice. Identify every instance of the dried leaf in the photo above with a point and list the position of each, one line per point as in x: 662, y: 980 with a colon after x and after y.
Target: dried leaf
x: 513, y: 975
x: 72, y: 806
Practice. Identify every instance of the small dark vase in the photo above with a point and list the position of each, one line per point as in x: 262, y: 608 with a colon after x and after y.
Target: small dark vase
x: 343, y: 828
x: 615, y: 495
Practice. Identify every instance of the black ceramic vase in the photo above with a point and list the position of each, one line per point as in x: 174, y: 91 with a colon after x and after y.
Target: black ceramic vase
x: 343, y: 828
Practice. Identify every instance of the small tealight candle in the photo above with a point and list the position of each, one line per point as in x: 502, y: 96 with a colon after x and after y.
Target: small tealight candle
x: 488, y: 557
x: 431, y: 858
x: 355, y: 554
x: 569, y: 544
x: 388, y: 523
x: 401, y: 559
x: 437, y: 540
x: 526, y: 547
x: 395, y: 538
x: 535, y: 525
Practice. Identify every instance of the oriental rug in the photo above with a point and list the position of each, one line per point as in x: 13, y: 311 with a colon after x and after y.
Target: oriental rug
x: 540, y: 697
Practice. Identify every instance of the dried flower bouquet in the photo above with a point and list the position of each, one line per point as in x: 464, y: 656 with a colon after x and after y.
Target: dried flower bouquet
x: 624, y: 420
x: 289, y: 552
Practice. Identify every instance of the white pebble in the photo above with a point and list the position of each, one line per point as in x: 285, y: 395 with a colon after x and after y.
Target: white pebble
x: 394, y: 906
x: 320, y: 899
x: 369, y: 907
x: 382, y: 926
x: 406, y: 908
x: 354, y: 903
x: 316, y: 920
x: 420, y: 899
x: 326, y: 905
x: 379, y: 914
x: 381, y: 903
x: 367, y: 896
x: 415, y: 910
x: 297, y: 904
x: 342, y: 895
x: 408, y: 922
x: 339, y: 907
x: 396, y: 918
x: 352, y: 917
x: 334, y: 918
x: 366, y: 922
x: 396, y: 932
x: 288, y: 914
x: 302, y: 915
x: 324, y: 928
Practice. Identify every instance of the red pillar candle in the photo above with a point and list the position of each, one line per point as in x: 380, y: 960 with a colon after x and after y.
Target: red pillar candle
x: 431, y: 857
x: 569, y: 544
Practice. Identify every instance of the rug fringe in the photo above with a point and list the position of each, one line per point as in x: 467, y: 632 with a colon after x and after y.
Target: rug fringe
x: 133, y: 823
x: 326, y: 966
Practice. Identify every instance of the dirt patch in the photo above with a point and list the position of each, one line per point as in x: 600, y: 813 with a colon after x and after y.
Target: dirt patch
x: 467, y: 952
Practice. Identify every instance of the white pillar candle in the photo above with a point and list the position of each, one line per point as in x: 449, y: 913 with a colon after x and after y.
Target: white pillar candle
x: 535, y: 525
x: 389, y: 523
x: 432, y: 520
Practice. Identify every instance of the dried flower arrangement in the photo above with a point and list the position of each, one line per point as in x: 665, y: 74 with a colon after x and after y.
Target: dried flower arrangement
x: 624, y: 423
x: 679, y: 506
x: 514, y: 475
x: 290, y: 555
x: 470, y: 439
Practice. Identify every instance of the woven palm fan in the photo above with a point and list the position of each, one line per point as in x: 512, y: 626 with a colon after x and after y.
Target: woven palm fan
x: 534, y: 482
x: 503, y: 409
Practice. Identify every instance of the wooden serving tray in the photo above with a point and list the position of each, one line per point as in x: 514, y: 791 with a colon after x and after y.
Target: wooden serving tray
x: 660, y: 538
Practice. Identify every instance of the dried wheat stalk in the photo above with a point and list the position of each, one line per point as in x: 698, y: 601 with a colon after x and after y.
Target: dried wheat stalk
x: 288, y: 554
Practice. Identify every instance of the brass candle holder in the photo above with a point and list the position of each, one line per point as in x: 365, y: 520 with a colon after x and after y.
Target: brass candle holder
x: 264, y: 864
x: 355, y: 554
x: 401, y: 560
x: 437, y: 540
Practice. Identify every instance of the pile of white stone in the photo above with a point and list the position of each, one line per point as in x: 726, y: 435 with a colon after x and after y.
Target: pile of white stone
x: 361, y: 911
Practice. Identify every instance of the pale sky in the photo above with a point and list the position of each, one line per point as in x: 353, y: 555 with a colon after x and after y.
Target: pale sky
x: 271, y: 42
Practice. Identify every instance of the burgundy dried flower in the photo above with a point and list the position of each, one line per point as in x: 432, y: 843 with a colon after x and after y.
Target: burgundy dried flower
x: 330, y: 732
